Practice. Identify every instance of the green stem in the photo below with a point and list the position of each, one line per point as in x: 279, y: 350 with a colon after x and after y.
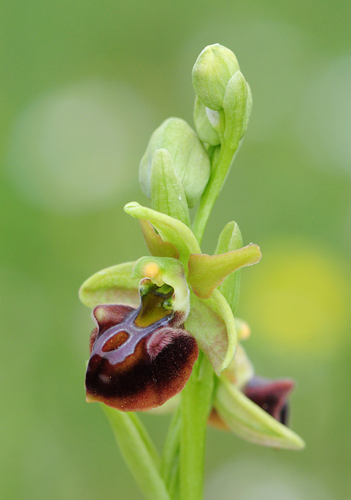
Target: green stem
x: 138, y: 452
x: 220, y: 170
x: 195, y: 407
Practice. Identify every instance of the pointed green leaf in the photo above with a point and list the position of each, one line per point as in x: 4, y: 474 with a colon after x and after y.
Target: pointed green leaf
x: 206, y: 272
x: 113, y: 285
x: 167, y: 192
x: 249, y: 421
x: 212, y: 324
x: 138, y: 452
x: 170, y: 229
x: 230, y: 239
x: 155, y: 243
x: 170, y: 455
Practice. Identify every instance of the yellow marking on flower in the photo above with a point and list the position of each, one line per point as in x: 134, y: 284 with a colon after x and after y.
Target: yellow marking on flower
x: 152, y: 270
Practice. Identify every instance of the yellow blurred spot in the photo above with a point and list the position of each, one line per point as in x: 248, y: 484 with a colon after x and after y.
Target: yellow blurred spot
x: 299, y: 297
x: 242, y: 328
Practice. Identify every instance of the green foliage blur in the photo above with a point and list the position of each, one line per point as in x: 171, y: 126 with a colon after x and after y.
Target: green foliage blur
x: 83, y: 85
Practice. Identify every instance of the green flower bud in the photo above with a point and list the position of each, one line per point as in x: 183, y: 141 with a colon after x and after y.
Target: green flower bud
x: 190, y: 159
x: 211, y: 73
x: 204, y: 124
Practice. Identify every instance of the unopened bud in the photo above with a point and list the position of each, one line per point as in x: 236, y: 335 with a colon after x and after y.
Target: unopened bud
x: 190, y: 160
x: 211, y: 73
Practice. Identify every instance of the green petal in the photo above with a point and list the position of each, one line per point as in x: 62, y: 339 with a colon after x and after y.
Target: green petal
x: 230, y: 239
x: 167, y: 192
x: 212, y: 324
x: 155, y: 243
x: 113, y: 285
x: 206, y: 272
x: 170, y: 229
x: 248, y: 421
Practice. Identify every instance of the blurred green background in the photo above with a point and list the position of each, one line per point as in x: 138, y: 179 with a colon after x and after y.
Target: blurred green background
x: 83, y: 85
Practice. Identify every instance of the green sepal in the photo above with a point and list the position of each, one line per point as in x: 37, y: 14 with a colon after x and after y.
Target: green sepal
x: 113, y: 285
x: 212, y: 324
x: 167, y: 192
x: 170, y: 229
x: 204, y: 128
x: 207, y: 272
x: 248, y: 421
x: 234, y: 105
x: 155, y: 243
x: 230, y: 239
x: 163, y: 270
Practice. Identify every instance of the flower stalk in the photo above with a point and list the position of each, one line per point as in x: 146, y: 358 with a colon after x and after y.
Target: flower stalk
x: 195, y: 408
x: 165, y: 337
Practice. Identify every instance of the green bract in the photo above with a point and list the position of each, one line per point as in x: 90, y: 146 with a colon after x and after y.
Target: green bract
x: 190, y: 160
x: 167, y: 192
x: 237, y: 103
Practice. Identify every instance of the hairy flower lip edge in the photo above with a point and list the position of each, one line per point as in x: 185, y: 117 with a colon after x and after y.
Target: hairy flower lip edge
x: 149, y: 369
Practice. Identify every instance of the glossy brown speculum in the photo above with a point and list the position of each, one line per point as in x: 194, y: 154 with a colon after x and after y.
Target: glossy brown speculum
x: 136, y: 368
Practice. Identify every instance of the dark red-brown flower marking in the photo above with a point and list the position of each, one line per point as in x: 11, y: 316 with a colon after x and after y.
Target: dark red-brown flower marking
x: 271, y: 396
x: 135, y: 365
